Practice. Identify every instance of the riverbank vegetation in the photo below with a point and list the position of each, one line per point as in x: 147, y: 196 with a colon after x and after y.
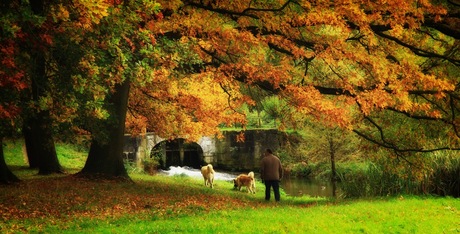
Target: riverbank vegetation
x: 361, y: 167
x: 366, y: 172
x: 161, y: 204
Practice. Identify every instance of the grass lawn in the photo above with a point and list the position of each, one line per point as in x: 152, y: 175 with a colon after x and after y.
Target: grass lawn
x: 179, y: 204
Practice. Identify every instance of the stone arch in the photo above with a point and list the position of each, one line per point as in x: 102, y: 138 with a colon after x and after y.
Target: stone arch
x: 178, y: 152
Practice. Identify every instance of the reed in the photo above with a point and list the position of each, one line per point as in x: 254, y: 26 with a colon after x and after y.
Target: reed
x: 438, y: 174
x: 444, y: 175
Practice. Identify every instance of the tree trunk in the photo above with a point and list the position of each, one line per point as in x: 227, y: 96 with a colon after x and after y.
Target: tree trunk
x: 40, y: 124
x: 32, y: 157
x: 332, y: 151
x: 105, y: 158
x: 46, y: 150
x: 38, y: 136
x: 6, y: 176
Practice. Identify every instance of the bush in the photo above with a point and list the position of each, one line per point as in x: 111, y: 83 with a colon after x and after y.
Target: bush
x: 150, y: 165
x: 301, y: 169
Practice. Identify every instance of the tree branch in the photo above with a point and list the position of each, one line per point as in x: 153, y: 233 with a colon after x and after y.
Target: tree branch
x: 414, y: 49
x: 396, y: 149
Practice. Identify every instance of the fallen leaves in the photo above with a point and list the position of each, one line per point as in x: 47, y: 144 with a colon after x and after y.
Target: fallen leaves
x: 69, y: 197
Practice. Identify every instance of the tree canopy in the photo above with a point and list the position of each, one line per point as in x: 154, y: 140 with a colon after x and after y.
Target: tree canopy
x: 388, y: 70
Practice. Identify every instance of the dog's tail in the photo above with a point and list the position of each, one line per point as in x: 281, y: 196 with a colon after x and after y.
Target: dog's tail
x: 251, y: 174
x: 210, y: 169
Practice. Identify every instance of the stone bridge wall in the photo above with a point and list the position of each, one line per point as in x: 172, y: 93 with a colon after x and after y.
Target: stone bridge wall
x: 226, y: 153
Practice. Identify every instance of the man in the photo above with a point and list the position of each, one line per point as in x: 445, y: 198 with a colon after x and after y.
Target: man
x: 271, y: 172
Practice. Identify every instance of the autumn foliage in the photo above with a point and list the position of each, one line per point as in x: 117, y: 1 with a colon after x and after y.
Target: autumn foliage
x: 352, y: 64
x: 382, y: 69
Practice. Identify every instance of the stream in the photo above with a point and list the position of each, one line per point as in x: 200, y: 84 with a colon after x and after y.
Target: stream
x: 291, y: 186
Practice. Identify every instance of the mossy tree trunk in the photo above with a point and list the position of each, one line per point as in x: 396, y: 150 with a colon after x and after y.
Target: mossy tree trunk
x: 105, y: 158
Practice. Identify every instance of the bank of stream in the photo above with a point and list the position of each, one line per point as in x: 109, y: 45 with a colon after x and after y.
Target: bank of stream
x: 291, y: 186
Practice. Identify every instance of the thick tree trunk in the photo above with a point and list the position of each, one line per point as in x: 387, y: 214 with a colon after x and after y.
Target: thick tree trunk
x: 40, y: 125
x: 6, y: 176
x: 33, y: 158
x: 105, y: 158
x: 46, y: 150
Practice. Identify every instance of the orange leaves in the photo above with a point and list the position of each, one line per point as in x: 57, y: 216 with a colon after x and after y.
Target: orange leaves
x: 130, y: 43
x: 114, y: 2
x: 297, y: 52
x: 417, y: 80
x: 60, y: 13
x: 136, y: 124
x: 310, y: 102
x: 372, y: 100
x: 240, y: 137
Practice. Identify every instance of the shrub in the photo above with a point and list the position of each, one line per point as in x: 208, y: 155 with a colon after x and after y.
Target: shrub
x: 150, y: 165
x: 301, y: 169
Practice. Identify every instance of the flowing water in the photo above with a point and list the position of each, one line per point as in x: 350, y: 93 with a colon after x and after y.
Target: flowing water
x: 292, y: 186
x: 192, y: 172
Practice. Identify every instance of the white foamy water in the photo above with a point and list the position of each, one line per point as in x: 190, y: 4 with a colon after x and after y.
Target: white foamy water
x: 192, y: 172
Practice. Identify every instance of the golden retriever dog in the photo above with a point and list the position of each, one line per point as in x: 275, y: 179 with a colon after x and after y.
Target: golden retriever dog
x: 247, y: 181
x: 208, y: 175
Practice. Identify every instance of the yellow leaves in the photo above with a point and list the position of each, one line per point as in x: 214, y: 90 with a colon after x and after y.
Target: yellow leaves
x: 91, y: 12
x: 187, y: 107
x: 172, y: 5
x: 397, y: 30
x: 403, y: 101
x: 100, y: 113
x: 59, y: 13
x: 87, y: 65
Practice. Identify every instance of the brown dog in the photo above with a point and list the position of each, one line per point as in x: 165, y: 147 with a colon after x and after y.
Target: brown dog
x: 247, y: 181
x: 208, y: 175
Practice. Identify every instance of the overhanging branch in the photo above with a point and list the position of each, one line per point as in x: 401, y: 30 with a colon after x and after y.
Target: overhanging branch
x: 397, y: 149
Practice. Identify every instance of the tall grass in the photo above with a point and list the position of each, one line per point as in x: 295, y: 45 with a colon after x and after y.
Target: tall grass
x: 438, y: 174
x: 444, y: 177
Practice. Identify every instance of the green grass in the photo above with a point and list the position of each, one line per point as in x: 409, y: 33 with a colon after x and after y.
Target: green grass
x: 439, y: 216
x: 14, y: 153
x: 180, y: 204
x: 71, y: 158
